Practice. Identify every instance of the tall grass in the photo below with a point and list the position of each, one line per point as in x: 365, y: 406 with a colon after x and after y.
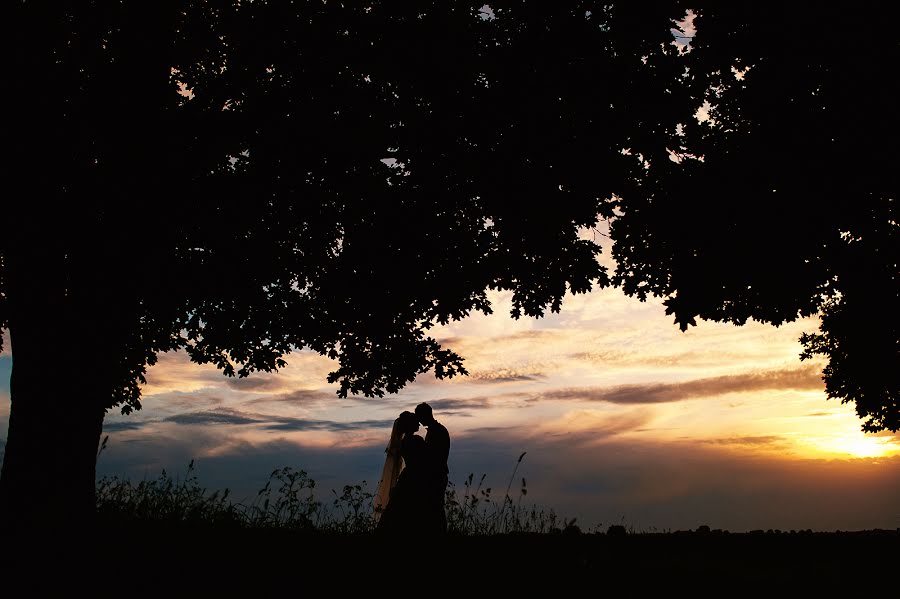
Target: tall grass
x: 288, y: 501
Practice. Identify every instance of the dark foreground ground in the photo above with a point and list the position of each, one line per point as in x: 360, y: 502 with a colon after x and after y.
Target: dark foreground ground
x: 158, y: 561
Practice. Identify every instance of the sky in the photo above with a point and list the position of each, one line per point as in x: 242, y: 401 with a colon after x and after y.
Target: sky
x: 623, y: 419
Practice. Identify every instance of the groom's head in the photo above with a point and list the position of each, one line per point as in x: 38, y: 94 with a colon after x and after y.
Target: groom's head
x: 423, y: 412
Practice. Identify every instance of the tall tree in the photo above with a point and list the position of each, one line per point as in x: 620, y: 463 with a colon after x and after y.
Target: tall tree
x: 779, y: 199
x: 242, y: 180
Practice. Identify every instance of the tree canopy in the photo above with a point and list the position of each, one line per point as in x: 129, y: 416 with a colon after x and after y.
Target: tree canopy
x: 332, y: 177
x: 782, y: 201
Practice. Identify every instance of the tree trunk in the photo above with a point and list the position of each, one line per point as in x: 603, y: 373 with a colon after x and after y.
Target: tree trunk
x: 48, y: 475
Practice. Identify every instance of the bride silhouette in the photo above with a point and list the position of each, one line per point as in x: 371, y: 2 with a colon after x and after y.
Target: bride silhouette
x: 402, y: 501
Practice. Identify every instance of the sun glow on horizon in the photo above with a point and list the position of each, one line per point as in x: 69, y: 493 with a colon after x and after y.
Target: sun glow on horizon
x: 856, y: 445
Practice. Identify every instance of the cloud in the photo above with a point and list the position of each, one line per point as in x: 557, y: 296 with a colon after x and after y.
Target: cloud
x: 273, y: 423
x: 450, y: 341
x: 581, y: 427
x: 253, y: 383
x: 298, y: 397
x: 798, y: 379
x: 300, y: 424
x: 118, y: 426
x: 224, y: 416
x: 183, y: 400
x: 697, y: 358
x: 577, y: 428
x: 174, y: 372
x: 459, y: 406
x: 501, y: 339
x: 504, y: 375
x: 748, y: 440
x: 532, y: 334
x: 212, y: 419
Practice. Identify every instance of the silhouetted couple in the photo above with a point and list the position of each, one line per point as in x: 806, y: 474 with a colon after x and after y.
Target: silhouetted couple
x: 410, y: 496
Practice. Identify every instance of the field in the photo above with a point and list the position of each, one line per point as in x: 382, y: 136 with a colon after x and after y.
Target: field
x: 165, y: 561
x: 169, y: 536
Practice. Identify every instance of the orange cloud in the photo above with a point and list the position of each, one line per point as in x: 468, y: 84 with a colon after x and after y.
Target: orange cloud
x: 505, y: 375
x: 749, y: 440
x: 800, y: 379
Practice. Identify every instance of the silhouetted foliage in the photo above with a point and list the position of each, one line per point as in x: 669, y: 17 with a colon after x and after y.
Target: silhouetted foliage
x: 243, y: 180
x: 240, y: 180
x: 783, y: 202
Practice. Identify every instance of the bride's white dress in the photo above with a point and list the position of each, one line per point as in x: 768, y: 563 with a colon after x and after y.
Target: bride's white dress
x: 393, y: 464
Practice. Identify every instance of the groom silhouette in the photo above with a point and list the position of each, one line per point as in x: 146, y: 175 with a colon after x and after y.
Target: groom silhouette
x: 437, y: 439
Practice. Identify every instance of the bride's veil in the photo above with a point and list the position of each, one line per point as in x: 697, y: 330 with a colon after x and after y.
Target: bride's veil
x: 390, y: 473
